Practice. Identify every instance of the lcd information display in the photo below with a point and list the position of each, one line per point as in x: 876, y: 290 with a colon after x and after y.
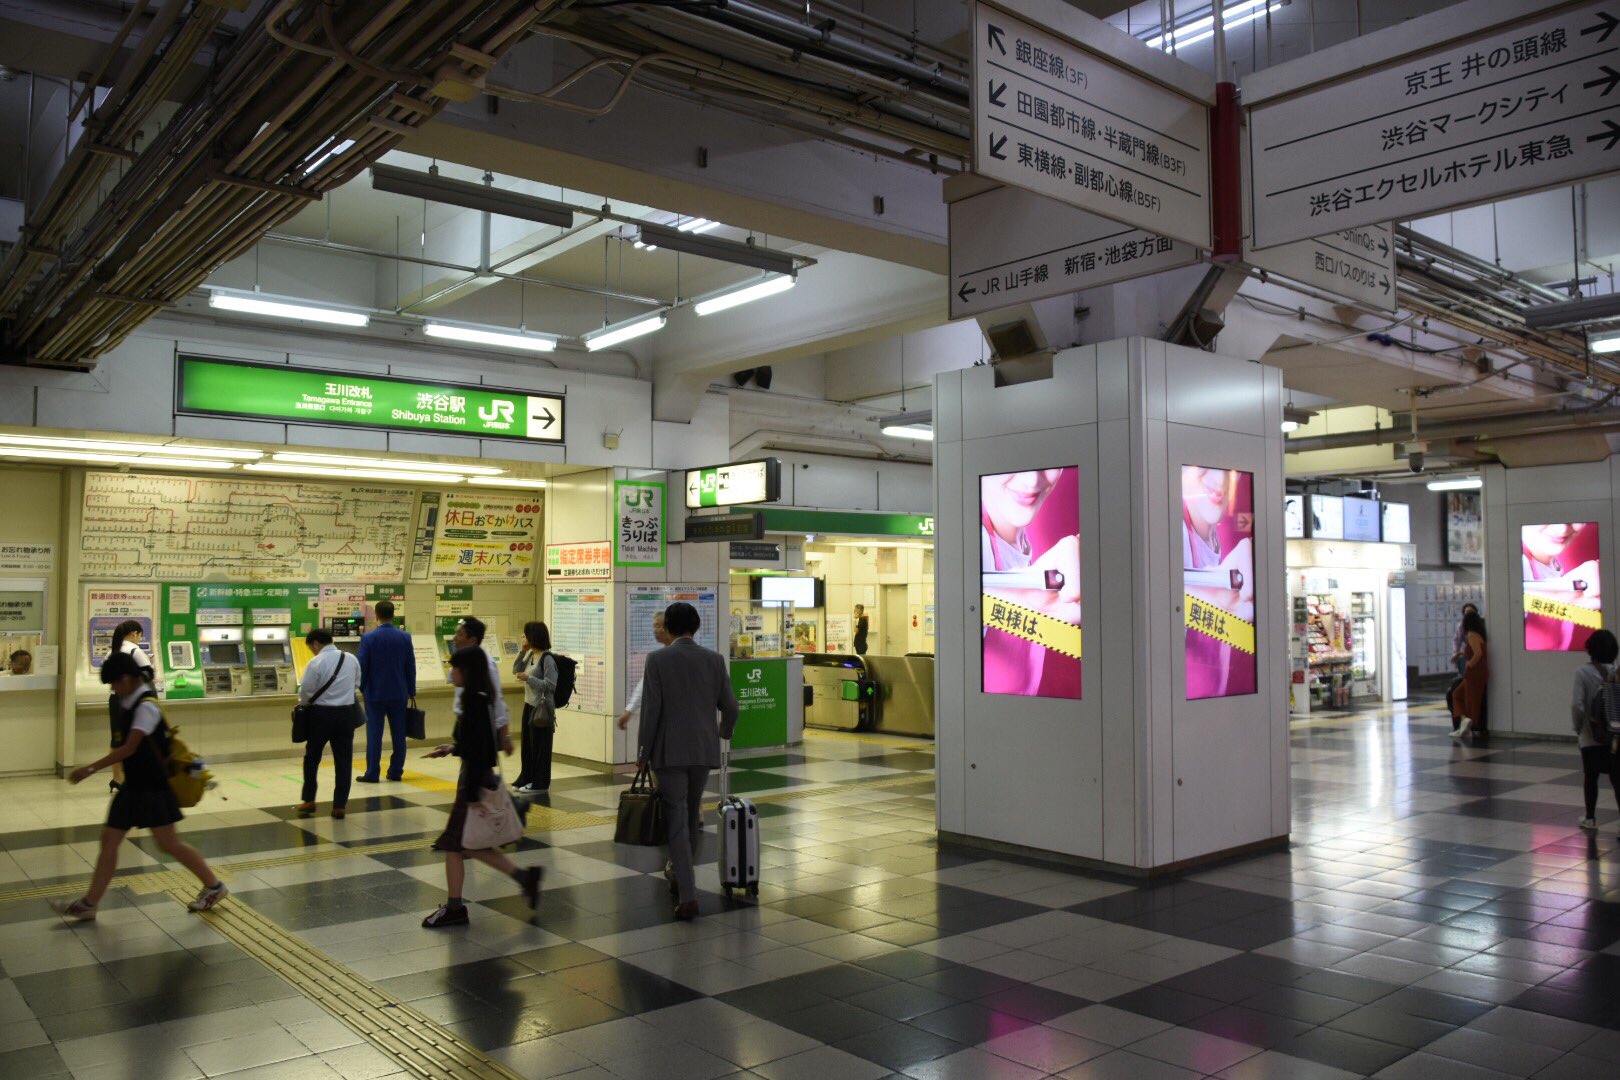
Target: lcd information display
x: 1563, y: 587
x: 1029, y: 533
x: 1397, y: 523
x: 1327, y: 517
x: 1217, y: 559
x: 1361, y: 519
x: 799, y: 592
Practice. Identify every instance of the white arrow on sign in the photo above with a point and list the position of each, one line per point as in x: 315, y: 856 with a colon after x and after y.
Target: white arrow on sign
x: 1063, y: 122
x: 1009, y: 246
x: 1357, y: 264
x: 1516, y: 109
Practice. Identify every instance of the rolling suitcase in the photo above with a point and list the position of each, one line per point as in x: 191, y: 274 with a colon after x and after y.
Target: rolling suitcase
x: 739, y: 837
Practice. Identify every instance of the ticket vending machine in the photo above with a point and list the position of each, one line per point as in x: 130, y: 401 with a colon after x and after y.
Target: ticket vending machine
x: 224, y: 663
x: 346, y: 632
x: 272, y: 660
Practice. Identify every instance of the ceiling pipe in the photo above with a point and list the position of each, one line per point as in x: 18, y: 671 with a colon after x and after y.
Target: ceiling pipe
x: 1483, y: 428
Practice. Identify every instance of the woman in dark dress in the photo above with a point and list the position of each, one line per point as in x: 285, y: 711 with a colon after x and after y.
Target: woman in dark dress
x: 1468, y: 700
x: 476, y: 746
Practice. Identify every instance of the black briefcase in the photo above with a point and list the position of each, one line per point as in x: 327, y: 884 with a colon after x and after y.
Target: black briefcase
x: 415, y: 722
x: 641, y: 813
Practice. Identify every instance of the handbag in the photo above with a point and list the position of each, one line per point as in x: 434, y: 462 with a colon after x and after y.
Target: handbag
x: 301, y: 712
x: 415, y: 722
x: 499, y: 825
x: 641, y: 813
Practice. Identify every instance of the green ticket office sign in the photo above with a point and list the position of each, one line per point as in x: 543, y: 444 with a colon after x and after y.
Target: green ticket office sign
x: 762, y: 705
x: 210, y: 386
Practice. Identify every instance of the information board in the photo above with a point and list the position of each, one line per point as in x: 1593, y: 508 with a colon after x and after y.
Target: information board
x: 486, y: 537
x: 642, y: 602
x: 579, y: 630
x: 150, y: 527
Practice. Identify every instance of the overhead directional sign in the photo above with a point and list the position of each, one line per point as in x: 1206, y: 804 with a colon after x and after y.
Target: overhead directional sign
x: 1357, y: 264
x: 1511, y: 109
x: 1061, y: 121
x: 1009, y: 246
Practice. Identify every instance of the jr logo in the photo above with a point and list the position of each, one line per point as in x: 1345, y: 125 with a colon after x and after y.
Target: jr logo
x: 755, y: 674
x: 498, y: 411
x: 637, y: 498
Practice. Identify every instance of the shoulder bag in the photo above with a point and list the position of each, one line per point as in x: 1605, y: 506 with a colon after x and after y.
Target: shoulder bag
x: 641, y: 813
x: 500, y: 823
x: 301, y: 712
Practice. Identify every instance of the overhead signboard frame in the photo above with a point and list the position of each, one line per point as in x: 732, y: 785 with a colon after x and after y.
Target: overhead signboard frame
x: 735, y: 483
x: 1477, y: 102
x: 1068, y: 107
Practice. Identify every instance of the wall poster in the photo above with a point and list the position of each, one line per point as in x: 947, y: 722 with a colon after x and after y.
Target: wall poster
x: 1465, y: 528
x: 105, y: 608
x: 1029, y: 577
x: 486, y: 537
x: 1563, y: 586
x: 1217, y: 560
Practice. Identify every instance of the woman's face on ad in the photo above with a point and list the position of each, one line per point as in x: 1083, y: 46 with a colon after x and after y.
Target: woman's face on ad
x: 1203, y: 493
x: 1011, y: 501
x: 1546, y: 542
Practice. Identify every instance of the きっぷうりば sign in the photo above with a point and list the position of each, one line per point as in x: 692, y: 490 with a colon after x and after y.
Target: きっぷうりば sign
x: 209, y: 386
x: 638, y: 523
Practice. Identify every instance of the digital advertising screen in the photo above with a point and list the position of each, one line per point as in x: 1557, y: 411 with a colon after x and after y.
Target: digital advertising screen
x: 1217, y: 559
x: 1563, y: 587
x: 799, y: 592
x: 1029, y: 577
x: 1294, y: 517
x: 1361, y: 519
x: 1397, y: 523
x: 1327, y: 517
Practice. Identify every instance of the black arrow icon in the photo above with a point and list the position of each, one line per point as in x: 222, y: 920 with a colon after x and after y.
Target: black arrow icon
x: 1612, y: 135
x: 545, y: 414
x: 1610, y: 78
x: 1605, y: 26
x: 997, y: 100
x: 965, y: 291
x: 1383, y: 246
x: 994, y: 34
x: 1384, y: 281
x: 996, y: 145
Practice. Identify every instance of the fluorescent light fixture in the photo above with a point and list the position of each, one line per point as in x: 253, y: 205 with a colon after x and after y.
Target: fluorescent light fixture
x: 87, y: 457
x: 609, y: 336
x: 352, y: 462
x: 917, y: 424
x: 340, y: 148
x: 507, y: 482
x: 714, y: 247
x: 1290, y: 425
x: 1606, y: 343
x: 254, y: 304
x: 469, y: 196
x: 1461, y: 483
x: 224, y: 453
x: 501, y: 339
x: 697, y: 225
x: 910, y: 431
x: 1201, y: 29
x: 756, y: 291
x: 354, y: 474
x: 645, y: 247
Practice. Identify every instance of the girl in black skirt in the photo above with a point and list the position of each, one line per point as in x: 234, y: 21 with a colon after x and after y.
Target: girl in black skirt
x: 144, y: 799
x: 476, y: 746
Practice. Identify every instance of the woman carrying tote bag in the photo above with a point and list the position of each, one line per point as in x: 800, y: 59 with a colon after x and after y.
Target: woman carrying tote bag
x: 484, y: 816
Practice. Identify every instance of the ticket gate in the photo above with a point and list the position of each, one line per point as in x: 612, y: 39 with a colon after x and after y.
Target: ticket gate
x: 840, y: 692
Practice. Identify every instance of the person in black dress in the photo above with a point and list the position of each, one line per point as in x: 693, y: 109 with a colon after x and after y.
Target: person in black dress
x: 861, y: 625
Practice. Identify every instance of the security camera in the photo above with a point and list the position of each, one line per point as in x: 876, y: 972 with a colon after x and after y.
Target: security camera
x: 1414, y: 461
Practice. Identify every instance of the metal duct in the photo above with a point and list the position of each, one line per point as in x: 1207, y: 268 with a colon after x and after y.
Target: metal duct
x: 1486, y: 427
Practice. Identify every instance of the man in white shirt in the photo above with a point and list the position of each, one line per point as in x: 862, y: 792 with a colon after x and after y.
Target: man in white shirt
x: 470, y: 634
x: 633, y: 706
x: 328, y: 690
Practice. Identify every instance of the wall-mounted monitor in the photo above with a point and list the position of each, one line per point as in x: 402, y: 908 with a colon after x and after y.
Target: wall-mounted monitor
x: 1327, y: 517
x: 1294, y: 517
x: 1362, y: 519
x: 1397, y: 523
x: 798, y: 592
x: 1029, y: 580
x: 1217, y: 578
x: 1563, y: 585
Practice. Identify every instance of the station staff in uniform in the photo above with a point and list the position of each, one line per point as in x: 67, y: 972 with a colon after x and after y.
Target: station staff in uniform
x: 328, y: 688
x: 388, y: 681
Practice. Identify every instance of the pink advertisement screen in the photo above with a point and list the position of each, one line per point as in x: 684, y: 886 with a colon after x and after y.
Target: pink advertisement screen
x: 1029, y: 542
x: 1563, y: 586
x: 1217, y: 558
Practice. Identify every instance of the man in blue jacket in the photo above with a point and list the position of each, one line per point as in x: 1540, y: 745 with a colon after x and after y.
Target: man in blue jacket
x: 388, y: 681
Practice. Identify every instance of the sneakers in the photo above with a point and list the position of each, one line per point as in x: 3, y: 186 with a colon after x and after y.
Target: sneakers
x: 524, y: 789
x: 1462, y: 729
x: 1589, y: 823
x: 208, y: 896
x: 529, y: 882
x: 81, y: 909
x: 447, y: 916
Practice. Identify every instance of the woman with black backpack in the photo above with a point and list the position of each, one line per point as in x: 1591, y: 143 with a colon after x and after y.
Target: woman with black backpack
x: 538, y: 669
x: 1591, y: 728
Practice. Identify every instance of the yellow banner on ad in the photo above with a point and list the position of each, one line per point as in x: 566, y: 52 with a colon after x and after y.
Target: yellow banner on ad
x: 1031, y: 625
x: 1211, y: 621
x: 1570, y: 613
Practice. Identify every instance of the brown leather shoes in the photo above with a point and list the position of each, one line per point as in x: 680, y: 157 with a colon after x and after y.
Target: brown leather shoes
x: 339, y: 813
x: 305, y: 809
x: 686, y: 912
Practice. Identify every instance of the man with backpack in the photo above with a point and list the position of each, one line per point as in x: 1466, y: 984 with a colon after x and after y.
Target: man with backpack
x: 145, y: 799
x: 1593, y: 682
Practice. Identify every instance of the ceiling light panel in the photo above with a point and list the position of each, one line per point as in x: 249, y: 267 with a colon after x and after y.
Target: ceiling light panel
x: 281, y: 308
x: 348, y: 461
x: 89, y: 457
x: 400, y: 475
x: 713, y: 247
x: 500, y: 339
x: 108, y: 446
x: 618, y: 333
x: 507, y: 482
x: 490, y: 200
x: 731, y: 298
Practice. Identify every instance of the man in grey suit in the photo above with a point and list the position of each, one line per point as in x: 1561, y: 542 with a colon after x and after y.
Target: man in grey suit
x: 685, y: 687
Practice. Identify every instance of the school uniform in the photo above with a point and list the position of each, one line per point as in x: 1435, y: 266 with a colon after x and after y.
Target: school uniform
x: 144, y: 799
x: 475, y: 746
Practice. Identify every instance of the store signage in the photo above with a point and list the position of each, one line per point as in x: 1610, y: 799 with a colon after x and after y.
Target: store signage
x: 207, y: 386
x: 1357, y: 264
x: 850, y: 523
x: 1009, y: 246
x: 22, y: 612
x: 638, y: 523
x: 1063, y: 122
x: 1352, y: 555
x: 1465, y: 120
x: 723, y: 527
x: 580, y: 562
x: 736, y: 484
x: 27, y: 558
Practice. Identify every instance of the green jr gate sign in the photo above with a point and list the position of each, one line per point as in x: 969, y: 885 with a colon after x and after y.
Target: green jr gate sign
x: 207, y: 386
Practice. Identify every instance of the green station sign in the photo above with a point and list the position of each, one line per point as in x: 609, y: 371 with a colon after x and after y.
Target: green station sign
x: 209, y: 386
x: 849, y: 523
x: 762, y: 705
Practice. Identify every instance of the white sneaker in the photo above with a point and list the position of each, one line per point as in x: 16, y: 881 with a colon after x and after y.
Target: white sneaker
x: 1588, y: 823
x: 207, y: 898
x: 1462, y: 729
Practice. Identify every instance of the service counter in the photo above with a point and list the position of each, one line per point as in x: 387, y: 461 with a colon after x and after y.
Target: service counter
x: 770, y: 698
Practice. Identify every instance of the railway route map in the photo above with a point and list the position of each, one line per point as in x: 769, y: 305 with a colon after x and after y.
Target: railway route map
x: 188, y: 528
